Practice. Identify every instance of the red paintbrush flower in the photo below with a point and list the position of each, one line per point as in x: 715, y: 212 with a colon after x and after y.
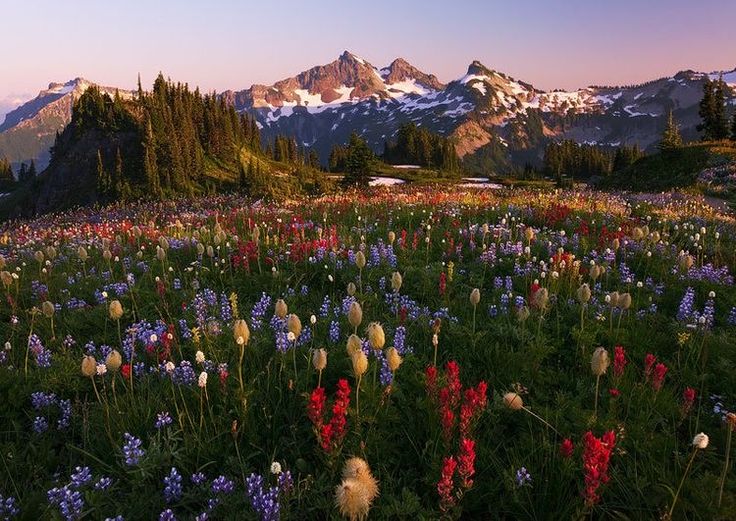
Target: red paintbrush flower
x: 566, y: 448
x: 445, y: 485
x: 688, y: 398
x: 660, y: 370
x: 466, y: 462
x: 596, y: 456
x: 619, y: 361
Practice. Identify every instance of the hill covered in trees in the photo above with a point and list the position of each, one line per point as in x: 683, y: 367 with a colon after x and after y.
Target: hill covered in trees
x: 164, y: 143
x: 418, y: 146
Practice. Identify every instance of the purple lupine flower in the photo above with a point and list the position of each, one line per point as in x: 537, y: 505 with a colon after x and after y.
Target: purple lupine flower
x: 163, y: 419
x: 226, y: 310
x: 167, y: 515
x: 285, y: 482
x: 264, y: 502
x: 186, y: 333
x: 400, y: 340
x: 386, y: 376
x: 69, y: 502
x: 173, y: 489
x: 334, y: 333
x: 184, y: 374
x: 324, y: 309
x: 198, y: 478
x: 132, y: 450
x: 8, y: 508
x: 522, y: 477
x: 65, y: 410
x: 40, y: 353
x: 40, y: 400
x: 222, y: 485
x: 686, y: 308
x: 732, y: 317
x: 282, y: 342
x: 40, y: 425
x: 708, y: 316
x: 103, y: 483
x: 80, y: 477
x: 305, y: 337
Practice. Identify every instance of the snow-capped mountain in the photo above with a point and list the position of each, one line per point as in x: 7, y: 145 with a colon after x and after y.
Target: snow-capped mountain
x: 487, y: 112
x: 28, y: 132
x: 323, y: 105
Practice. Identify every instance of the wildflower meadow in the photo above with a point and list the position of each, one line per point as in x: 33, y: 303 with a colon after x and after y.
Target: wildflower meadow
x: 395, y: 353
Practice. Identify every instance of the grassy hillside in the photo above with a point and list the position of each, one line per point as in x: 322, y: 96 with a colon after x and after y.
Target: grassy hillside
x: 674, y: 169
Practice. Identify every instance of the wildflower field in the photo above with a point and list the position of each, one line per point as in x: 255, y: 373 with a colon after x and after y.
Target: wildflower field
x: 404, y: 353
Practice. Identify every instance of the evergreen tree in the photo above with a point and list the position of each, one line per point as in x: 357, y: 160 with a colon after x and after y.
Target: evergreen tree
x: 313, y: 160
x: 103, y: 180
x: 150, y: 165
x: 720, y: 121
x: 707, y: 110
x: 575, y: 160
x: 242, y: 178
x: 23, y: 173
x: 32, y: 170
x: 626, y: 156
x: 118, y: 180
x: 6, y: 173
x: 733, y: 127
x: 671, y: 138
x: 359, y: 161
x: 418, y: 146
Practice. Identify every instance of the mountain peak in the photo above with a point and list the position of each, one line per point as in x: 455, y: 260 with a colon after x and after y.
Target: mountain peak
x: 401, y: 70
x: 348, y: 56
x: 477, y: 68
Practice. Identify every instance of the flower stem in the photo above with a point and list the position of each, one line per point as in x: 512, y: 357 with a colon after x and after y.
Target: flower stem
x: 725, y: 464
x: 677, y: 494
x: 597, y: 386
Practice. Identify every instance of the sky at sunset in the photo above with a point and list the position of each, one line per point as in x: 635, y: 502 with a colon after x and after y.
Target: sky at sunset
x: 229, y: 44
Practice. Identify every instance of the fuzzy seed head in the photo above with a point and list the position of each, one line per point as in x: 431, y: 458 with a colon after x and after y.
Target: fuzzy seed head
x: 475, y: 297
x: 89, y: 366
x: 540, y: 299
x: 113, y: 361
x: 396, y: 281
x: 355, y: 314
x: 360, y: 364
x: 613, y: 302
x: 354, y: 344
x: 241, y: 331
x: 352, y: 500
x: 583, y: 294
x: 281, y: 308
x: 513, y: 401
x: 624, y: 301
x: 48, y: 309
x: 319, y: 359
x: 599, y: 362
x: 357, y: 468
x: 115, y: 310
x: 393, y: 358
x: 376, y: 336
x: 294, y: 325
x: 700, y: 441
